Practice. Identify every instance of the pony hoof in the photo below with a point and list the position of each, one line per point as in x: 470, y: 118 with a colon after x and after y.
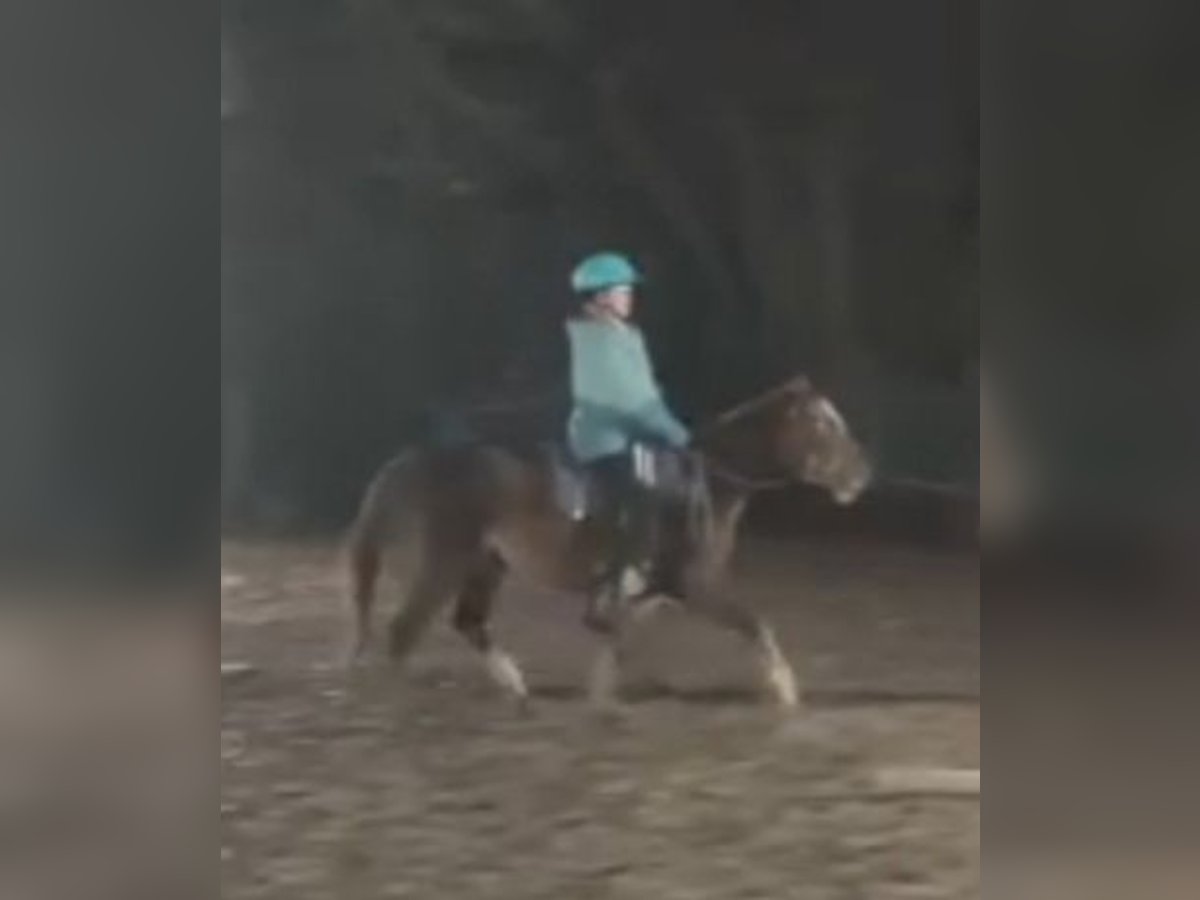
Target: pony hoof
x: 610, y: 712
x: 785, y: 690
x: 788, y: 701
x: 354, y: 657
x: 524, y: 708
x: 790, y: 710
x: 604, y: 699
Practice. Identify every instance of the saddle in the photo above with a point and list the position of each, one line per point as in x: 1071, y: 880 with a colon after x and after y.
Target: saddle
x: 668, y: 476
x: 653, y: 523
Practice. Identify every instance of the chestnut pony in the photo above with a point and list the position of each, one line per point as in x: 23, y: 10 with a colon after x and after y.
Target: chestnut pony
x: 475, y: 513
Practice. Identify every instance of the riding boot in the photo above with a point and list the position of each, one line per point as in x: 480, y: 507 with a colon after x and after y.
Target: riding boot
x: 608, y: 594
x: 674, y: 527
x: 665, y: 571
x: 621, y: 520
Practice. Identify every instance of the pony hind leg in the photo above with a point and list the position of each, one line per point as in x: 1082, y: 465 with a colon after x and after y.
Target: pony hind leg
x: 472, y: 615
x: 363, y: 559
x: 431, y: 590
x: 363, y: 565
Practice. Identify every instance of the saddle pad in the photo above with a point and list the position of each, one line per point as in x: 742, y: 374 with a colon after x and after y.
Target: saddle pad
x: 667, y: 474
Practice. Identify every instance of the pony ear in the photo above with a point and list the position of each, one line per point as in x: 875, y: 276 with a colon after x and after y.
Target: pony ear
x: 799, y: 395
x: 801, y: 385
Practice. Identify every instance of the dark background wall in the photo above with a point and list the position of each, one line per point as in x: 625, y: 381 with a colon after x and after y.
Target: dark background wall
x: 1090, y: 145
x: 406, y: 185
x: 109, y: 276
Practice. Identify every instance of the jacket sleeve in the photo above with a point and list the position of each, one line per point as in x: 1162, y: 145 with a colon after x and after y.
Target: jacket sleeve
x: 656, y: 423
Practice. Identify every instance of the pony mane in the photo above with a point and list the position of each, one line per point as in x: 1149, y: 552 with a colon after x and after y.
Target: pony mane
x: 798, y: 386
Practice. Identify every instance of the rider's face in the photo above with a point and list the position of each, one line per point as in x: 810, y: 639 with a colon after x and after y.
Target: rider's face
x: 617, y: 301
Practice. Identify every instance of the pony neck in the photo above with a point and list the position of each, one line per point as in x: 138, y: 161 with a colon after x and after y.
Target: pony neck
x: 728, y: 471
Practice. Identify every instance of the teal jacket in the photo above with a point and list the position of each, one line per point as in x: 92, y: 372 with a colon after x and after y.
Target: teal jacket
x: 617, y: 400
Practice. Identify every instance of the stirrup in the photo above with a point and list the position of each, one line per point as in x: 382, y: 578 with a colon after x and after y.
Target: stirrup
x: 614, y: 596
x: 631, y: 583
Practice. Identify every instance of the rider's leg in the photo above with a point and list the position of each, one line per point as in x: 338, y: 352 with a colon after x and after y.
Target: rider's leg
x: 616, y: 518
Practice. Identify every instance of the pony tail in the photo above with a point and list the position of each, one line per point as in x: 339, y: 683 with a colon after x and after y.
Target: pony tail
x: 364, y: 545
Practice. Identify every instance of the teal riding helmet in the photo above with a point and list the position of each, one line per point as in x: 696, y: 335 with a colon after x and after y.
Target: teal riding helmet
x: 603, y: 271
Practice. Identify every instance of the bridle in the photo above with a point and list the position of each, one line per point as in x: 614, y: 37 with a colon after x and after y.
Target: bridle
x: 743, y: 482
x: 728, y: 474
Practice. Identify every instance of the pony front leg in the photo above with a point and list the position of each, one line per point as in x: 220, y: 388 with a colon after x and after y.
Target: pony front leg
x: 777, y: 673
x: 604, y: 680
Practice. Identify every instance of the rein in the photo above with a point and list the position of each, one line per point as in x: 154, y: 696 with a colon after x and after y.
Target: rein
x: 744, y: 482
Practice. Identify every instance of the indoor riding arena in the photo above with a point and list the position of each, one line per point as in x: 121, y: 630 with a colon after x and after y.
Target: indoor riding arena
x: 407, y: 187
